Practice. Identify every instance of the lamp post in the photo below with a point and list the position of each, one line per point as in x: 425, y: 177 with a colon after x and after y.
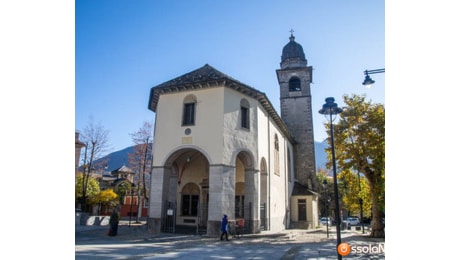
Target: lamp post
x: 367, y: 80
x: 331, y: 108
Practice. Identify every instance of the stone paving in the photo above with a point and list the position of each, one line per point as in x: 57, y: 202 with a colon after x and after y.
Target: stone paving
x: 133, y: 242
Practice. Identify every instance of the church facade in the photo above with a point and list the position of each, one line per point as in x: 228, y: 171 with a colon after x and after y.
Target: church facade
x: 220, y: 147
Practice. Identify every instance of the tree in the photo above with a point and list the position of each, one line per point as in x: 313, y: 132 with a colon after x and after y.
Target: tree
x: 92, y: 187
x: 360, y: 147
x: 327, y: 192
x: 95, y: 137
x: 122, y: 190
x: 140, y: 159
x: 352, y: 190
x: 106, y: 198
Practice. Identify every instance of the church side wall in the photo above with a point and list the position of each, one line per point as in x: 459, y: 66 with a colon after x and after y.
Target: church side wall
x: 278, y: 190
x: 277, y: 183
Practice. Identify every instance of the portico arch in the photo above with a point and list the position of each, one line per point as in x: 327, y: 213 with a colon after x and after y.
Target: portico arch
x: 247, y: 191
x: 179, y: 192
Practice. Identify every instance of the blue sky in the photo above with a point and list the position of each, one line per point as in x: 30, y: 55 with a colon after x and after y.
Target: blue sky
x: 123, y: 48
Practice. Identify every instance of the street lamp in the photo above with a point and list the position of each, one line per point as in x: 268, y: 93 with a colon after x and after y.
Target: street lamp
x: 331, y: 108
x: 367, y: 80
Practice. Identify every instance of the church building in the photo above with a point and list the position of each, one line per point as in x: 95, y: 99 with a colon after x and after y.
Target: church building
x: 220, y: 148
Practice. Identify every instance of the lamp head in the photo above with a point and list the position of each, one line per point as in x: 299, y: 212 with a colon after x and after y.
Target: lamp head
x: 368, y: 81
x: 330, y: 108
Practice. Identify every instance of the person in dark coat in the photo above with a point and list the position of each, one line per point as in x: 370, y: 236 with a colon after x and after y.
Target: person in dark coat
x: 224, y: 228
x: 113, y: 223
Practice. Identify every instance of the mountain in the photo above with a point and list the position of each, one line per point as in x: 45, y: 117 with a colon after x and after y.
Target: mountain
x: 120, y: 158
x: 117, y: 159
x: 320, y: 154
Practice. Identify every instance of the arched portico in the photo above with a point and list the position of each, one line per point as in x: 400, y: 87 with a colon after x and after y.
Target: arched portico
x: 233, y: 191
x: 247, y: 192
x: 189, y: 191
x: 179, y: 191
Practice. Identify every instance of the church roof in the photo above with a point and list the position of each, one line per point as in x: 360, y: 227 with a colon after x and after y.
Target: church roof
x: 209, y: 77
x: 301, y: 190
x: 292, y: 50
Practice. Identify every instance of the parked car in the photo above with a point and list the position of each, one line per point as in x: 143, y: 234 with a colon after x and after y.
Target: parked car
x: 326, y: 221
x: 353, y: 221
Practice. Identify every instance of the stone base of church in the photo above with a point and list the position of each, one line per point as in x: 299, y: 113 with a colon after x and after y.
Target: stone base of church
x: 213, y: 228
x: 300, y: 225
x: 254, y: 228
x: 154, y: 225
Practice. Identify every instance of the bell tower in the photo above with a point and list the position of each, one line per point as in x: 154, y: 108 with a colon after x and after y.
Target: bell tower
x: 294, y: 79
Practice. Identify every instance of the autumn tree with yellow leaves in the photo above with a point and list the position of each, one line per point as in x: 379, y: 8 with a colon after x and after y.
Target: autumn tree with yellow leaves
x: 359, y: 140
x: 352, y: 189
x: 106, y: 200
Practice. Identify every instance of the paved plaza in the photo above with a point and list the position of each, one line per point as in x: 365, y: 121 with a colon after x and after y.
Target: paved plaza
x: 133, y: 242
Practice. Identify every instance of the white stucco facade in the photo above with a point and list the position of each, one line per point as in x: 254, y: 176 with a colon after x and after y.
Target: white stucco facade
x: 225, y: 155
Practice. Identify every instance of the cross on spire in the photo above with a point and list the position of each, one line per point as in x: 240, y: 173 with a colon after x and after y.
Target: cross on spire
x: 292, y: 35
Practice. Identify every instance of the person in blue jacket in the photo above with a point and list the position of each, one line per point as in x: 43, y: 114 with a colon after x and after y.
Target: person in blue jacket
x: 224, y: 228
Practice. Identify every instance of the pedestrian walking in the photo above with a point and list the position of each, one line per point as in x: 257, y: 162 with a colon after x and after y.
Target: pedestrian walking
x: 114, y: 218
x: 224, y: 228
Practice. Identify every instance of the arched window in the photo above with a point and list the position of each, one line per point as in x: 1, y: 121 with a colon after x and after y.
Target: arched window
x: 263, y: 166
x: 294, y: 84
x: 188, y: 116
x: 263, y: 191
x: 190, y: 199
x: 277, y: 155
x: 244, y: 105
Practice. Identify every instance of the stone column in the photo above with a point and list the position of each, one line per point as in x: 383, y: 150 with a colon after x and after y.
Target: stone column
x: 221, y: 196
x: 251, y: 188
x: 159, y: 191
